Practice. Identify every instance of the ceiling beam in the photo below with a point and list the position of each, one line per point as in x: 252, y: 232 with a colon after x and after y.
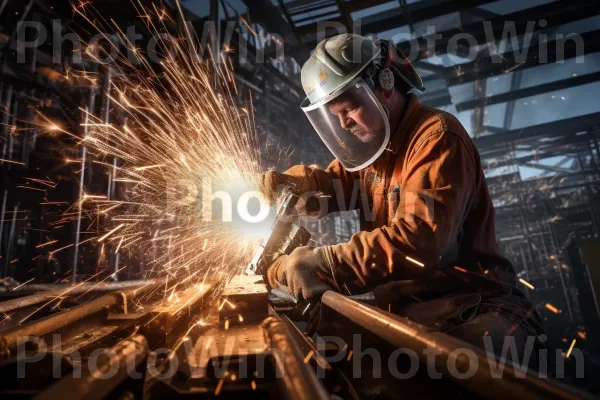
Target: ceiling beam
x: 267, y: 14
x: 489, y: 164
x: 478, y: 13
x: 564, y: 127
x: 346, y: 18
x: 530, y: 91
x: 385, y: 20
x: 555, y: 13
x: 570, y: 143
x: 515, y: 85
x: 550, y: 168
x: 492, y: 65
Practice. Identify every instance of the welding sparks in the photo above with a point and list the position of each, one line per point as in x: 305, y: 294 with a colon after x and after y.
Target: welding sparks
x: 412, y: 260
x: 308, y: 356
x: 172, y: 128
x: 552, y: 308
x: 23, y: 284
x: 524, y: 282
x: 110, y: 233
x: 219, y: 386
x: 179, y: 129
x: 571, y: 348
x: 225, y: 301
x: 39, y: 246
x: 137, y: 169
x: 11, y: 161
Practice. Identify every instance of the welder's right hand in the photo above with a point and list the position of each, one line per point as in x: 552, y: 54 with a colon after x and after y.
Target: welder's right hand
x: 272, y: 182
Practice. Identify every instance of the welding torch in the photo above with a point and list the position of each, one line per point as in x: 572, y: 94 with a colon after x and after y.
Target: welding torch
x: 285, y: 236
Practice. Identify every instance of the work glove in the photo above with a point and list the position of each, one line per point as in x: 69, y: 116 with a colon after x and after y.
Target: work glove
x: 272, y: 182
x: 305, y: 273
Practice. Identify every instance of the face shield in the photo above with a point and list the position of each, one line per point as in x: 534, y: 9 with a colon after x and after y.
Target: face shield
x: 352, y: 124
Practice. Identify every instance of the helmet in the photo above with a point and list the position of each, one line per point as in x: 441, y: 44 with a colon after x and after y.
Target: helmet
x: 342, y: 73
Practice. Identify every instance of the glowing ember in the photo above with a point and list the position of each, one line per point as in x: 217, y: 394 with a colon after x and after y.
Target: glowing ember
x: 571, y: 348
x: 552, y: 308
x: 412, y: 260
x: 524, y: 282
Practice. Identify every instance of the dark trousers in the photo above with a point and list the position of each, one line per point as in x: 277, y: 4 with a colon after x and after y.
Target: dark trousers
x: 506, y: 326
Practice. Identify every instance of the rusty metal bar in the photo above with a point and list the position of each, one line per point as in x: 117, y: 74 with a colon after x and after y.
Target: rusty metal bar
x: 126, y: 356
x: 298, y: 381
x: 26, y: 301
x: 402, y: 333
x: 10, y: 338
x: 47, y: 292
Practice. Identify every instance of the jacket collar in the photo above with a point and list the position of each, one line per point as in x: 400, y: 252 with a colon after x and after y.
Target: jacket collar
x: 398, y: 138
x: 401, y: 134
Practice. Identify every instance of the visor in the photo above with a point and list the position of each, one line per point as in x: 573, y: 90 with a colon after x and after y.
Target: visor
x: 352, y: 124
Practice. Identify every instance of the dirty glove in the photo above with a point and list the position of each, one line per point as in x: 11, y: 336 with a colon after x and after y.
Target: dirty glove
x: 306, y: 273
x: 271, y: 182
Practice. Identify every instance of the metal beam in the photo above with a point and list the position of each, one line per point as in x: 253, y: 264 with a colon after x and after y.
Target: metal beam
x: 346, y: 18
x: 548, y: 168
x: 531, y: 91
x: 420, y: 11
x: 301, y: 6
x: 491, y: 65
x: 493, y: 129
x: 556, y: 13
x: 480, y: 88
x: 487, y: 164
x: 478, y: 13
x: 437, y: 69
x: 264, y: 12
x: 402, y: 333
x: 515, y: 84
x: 568, y: 144
x: 564, y: 127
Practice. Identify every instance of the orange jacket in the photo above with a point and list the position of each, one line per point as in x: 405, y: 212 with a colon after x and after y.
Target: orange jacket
x: 424, y: 206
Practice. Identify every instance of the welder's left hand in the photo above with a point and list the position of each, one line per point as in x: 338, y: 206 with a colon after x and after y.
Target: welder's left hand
x: 306, y: 272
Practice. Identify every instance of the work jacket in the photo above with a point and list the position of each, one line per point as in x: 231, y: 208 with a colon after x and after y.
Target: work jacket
x: 427, y: 219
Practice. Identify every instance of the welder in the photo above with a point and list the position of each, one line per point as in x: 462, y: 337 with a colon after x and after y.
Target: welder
x: 427, y: 247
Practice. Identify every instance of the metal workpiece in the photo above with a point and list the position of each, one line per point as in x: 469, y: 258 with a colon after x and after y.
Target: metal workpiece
x: 42, y: 293
x: 79, y: 288
x: 167, y: 322
x: 26, y: 301
x: 296, y: 379
x: 402, y: 333
x: 244, y: 299
x: 123, y: 361
x: 315, y: 354
x: 10, y: 339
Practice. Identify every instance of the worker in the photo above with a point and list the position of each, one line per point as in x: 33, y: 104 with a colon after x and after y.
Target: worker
x: 427, y: 246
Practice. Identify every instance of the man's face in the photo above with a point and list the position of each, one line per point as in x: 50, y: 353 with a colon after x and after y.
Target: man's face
x: 362, y: 121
